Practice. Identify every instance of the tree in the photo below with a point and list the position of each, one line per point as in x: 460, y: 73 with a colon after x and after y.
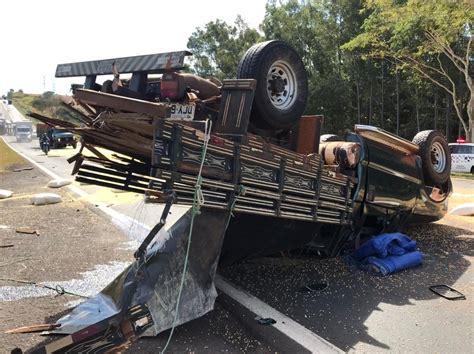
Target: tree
x: 218, y: 47
x: 430, y: 38
x: 317, y: 29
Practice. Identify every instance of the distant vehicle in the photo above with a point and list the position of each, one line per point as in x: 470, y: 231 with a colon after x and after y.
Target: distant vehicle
x: 462, y: 157
x: 57, y: 138
x: 3, y: 126
x: 44, y: 143
x: 23, y: 131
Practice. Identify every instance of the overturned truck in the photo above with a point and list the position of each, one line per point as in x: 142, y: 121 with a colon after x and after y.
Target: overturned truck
x: 259, y: 177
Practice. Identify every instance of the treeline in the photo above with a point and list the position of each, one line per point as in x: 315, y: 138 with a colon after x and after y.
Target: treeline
x: 367, y: 62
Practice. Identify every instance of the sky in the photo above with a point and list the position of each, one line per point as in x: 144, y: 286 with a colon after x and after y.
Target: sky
x: 37, y: 35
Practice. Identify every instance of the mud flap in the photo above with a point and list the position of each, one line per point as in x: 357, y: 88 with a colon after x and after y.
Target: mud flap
x: 154, y: 283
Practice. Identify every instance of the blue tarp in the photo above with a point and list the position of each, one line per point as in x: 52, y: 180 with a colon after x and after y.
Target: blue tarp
x: 389, y: 253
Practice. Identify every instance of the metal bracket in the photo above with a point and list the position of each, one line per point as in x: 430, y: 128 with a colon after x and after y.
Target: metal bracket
x: 170, y: 198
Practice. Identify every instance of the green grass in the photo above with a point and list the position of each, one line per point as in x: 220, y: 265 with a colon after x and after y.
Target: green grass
x: 24, y: 103
x: 47, y: 104
x: 462, y: 175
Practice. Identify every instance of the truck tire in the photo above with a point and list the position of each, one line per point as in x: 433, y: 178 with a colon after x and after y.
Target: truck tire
x: 325, y: 138
x: 282, y: 84
x: 435, y: 157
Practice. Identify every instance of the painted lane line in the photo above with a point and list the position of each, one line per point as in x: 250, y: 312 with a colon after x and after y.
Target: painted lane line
x: 292, y: 329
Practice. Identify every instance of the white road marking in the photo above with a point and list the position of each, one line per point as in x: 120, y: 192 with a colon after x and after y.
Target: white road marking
x: 290, y: 328
x: 124, y: 222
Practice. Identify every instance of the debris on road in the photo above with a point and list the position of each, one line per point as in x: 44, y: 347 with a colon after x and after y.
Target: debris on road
x: 58, y: 183
x: 58, y: 288
x: 27, y: 230
x: 447, y: 292
x: 6, y: 246
x: 466, y: 209
x: 33, y: 328
x: 22, y: 169
x: 265, y: 321
x: 45, y: 198
x: 5, y: 194
x: 321, y: 286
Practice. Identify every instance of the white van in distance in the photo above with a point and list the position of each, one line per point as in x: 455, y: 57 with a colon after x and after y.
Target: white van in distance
x: 462, y: 157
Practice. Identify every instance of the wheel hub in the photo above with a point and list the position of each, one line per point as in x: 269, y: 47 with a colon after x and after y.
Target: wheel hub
x: 438, y: 157
x: 277, y: 85
x: 281, y: 85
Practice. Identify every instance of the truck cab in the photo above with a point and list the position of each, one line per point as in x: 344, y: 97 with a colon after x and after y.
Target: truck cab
x: 58, y: 138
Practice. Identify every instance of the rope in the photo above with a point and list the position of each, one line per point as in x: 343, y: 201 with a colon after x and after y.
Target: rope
x: 58, y: 288
x: 198, y: 201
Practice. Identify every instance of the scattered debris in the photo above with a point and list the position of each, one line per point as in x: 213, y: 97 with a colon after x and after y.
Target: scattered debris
x: 45, y: 198
x: 23, y: 169
x: 466, y: 209
x: 58, y: 288
x: 447, y: 292
x: 58, y: 183
x: 34, y: 328
x: 102, y: 336
x: 5, y: 193
x: 321, y: 286
x: 265, y: 321
x: 27, y: 230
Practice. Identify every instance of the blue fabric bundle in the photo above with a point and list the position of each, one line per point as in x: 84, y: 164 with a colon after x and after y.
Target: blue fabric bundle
x: 389, y: 253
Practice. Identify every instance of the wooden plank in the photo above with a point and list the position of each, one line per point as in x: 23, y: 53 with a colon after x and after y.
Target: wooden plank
x: 121, y: 103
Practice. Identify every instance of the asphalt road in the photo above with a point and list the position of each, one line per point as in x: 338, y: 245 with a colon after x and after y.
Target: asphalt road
x: 358, y: 312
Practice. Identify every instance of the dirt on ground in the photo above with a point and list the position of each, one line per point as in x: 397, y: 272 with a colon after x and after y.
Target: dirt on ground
x: 71, y: 239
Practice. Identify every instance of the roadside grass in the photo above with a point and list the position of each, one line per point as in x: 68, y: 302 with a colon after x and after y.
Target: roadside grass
x: 9, y: 159
x: 462, y: 175
x: 48, y: 104
x: 23, y: 102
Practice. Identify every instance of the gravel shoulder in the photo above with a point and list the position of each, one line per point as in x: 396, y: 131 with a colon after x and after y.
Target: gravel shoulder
x: 72, y: 240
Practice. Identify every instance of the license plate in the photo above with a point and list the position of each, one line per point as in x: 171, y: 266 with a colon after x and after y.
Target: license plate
x: 182, y: 111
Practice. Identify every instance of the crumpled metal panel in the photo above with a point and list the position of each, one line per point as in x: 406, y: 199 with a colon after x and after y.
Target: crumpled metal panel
x: 156, y: 282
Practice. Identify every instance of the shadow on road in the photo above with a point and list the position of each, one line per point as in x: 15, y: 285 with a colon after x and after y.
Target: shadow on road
x: 339, y: 313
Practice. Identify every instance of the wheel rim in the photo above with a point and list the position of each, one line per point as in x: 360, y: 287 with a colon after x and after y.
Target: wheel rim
x: 438, y: 157
x: 281, y: 85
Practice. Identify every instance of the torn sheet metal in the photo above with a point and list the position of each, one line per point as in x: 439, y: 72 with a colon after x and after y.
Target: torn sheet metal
x: 155, y: 283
